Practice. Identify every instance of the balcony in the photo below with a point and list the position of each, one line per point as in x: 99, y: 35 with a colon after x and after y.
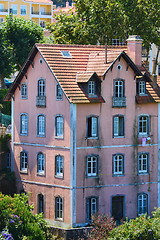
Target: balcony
x: 118, y: 101
x: 41, y: 13
x: 41, y: 101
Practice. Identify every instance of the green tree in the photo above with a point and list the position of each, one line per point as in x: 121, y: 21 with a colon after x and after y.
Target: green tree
x: 17, y: 37
x: 6, y: 58
x: 22, y: 35
x: 16, y: 216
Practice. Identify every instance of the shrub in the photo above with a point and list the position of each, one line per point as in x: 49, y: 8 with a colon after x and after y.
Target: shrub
x: 141, y: 228
x: 102, y: 225
x: 16, y: 216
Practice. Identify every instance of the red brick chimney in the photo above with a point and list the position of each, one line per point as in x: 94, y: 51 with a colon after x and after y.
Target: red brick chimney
x: 134, y: 49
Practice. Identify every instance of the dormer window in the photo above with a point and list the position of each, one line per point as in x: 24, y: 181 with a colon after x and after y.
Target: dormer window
x: 91, y: 88
x: 142, y: 88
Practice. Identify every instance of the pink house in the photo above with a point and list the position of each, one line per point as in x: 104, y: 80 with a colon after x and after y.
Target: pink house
x: 85, y: 135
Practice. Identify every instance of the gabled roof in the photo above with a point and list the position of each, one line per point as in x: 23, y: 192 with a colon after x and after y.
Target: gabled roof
x: 79, y: 64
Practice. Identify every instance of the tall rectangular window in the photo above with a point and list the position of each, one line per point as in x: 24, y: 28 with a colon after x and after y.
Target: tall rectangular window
x: 41, y: 126
x: 41, y: 87
x: 59, y: 162
x: 23, y: 161
x: 143, y: 163
x: 91, y: 88
x: 143, y: 125
x: 92, y: 127
x: 118, y: 164
x: 141, y: 88
x: 24, y: 91
x: 142, y: 203
x: 59, y: 208
x: 91, y: 207
x: 118, y: 126
x: 24, y: 124
x: 59, y: 92
x: 23, y: 9
x: 40, y: 163
x: 40, y: 203
x: 14, y: 9
x: 92, y: 166
x: 59, y: 125
x: 119, y: 88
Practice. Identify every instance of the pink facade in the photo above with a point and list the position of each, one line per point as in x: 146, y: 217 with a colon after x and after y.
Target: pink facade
x: 94, y: 153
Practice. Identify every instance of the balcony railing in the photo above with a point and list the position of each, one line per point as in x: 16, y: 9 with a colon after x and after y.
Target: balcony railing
x: 41, y: 101
x: 119, y: 101
x: 41, y: 13
x: 3, y: 10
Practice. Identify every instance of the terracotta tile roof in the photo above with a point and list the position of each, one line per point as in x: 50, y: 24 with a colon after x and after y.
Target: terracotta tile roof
x: 85, y: 58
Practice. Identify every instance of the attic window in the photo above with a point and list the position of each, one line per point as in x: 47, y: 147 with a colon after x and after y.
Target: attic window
x: 41, y: 60
x: 66, y: 54
x: 119, y: 66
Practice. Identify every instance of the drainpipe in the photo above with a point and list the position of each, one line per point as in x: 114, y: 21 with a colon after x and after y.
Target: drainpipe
x: 158, y: 155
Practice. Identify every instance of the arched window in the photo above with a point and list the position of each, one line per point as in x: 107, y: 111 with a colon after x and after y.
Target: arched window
x: 59, y: 165
x: 23, y: 161
x: 40, y: 163
x: 23, y: 124
x: 142, y: 203
x: 40, y: 203
x: 91, y: 207
x: 41, y: 87
x: 59, y: 208
x: 143, y: 125
x: 92, y: 166
x: 41, y: 125
x: 118, y: 164
x: 59, y: 126
x: 92, y: 127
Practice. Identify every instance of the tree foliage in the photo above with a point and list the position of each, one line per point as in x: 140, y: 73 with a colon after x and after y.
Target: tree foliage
x: 17, y: 37
x: 141, y: 228
x: 103, y: 20
x: 16, y: 217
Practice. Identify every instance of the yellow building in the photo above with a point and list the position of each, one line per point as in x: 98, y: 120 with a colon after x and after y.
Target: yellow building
x: 39, y: 11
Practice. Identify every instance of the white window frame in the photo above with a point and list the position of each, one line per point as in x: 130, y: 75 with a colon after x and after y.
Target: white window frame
x: 59, y: 92
x: 23, y: 10
x: 41, y: 88
x: 142, y: 203
x: 143, y: 125
x: 59, y: 166
x: 118, y: 164
x: 24, y: 124
x: 41, y: 125
x: 91, y: 88
x: 119, y: 88
x: 143, y: 160
x: 24, y: 91
x: 23, y: 161
x: 40, y: 163
x: 92, y: 127
x: 118, y: 123
x: 142, y: 87
x: 59, y: 126
x: 92, y: 166
x: 59, y: 208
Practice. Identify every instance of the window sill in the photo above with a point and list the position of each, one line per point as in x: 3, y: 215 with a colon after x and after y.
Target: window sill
x: 94, y: 138
x: 92, y: 176
x: 59, y: 219
x: 24, y: 172
x: 61, y: 138
x: 143, y: 173
x: 41, y: 136
x: 118, y: 136
x: 23, y: 134
x: 118, y: 175
x: 59, y: 177
x: 59, y: 99
x: 41, y: 174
